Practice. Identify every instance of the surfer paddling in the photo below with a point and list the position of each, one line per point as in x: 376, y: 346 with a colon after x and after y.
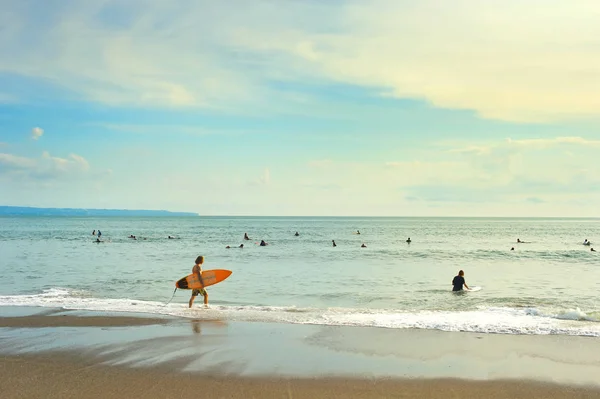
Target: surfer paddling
x: 197, y: 269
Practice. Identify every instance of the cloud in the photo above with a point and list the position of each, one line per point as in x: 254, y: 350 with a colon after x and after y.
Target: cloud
x: 47, y: 167
x: 36, y: 133
x: 470, y: 54
x: 13, y: 162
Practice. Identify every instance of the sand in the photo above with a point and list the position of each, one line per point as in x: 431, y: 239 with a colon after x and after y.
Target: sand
x: 67, y: 376
x: 75, y: 321
x: 63, y: 354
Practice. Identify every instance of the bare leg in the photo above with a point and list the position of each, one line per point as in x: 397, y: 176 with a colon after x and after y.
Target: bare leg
x: 206, y: 298
x: 192, y: 301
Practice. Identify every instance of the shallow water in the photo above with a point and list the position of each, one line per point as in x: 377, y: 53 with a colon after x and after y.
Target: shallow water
x: 548, y: 285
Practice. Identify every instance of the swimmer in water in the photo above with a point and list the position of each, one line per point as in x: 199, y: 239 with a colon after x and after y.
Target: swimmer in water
x: 334, y: 244
x: 459, y: 281
x: 296, y: 234
x: 363, y: 246
x: 512, y: 249
x: 246, y: 236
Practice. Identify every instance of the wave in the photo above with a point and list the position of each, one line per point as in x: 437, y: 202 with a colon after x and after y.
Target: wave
x: 499, y: 320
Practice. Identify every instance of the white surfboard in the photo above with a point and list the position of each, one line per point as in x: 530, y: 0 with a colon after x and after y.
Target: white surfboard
x: 474, y: 288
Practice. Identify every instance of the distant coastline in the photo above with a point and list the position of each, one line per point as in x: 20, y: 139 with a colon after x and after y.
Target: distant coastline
x: 32, y: 211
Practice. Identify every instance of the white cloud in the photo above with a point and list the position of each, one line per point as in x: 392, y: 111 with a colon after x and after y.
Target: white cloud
x: 466, y: 54
x: 9, y: 161
x: 47, y: 167
x: 36, y: 133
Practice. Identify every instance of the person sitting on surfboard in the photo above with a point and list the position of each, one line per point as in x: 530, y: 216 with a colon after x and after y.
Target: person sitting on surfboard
x: 459, y: 281
x: 246, y: 236
x: 263, y: 243
x: 363, y: 246
x: 296, y: 234
x: 334, y: 244
x: 409, y: 240
x: 198, y: 270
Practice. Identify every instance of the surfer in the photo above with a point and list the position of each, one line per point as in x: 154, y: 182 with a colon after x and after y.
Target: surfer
x: 409, y: 240
x: 171, y: 238
x: 592, y: 250
x: 241, y: 246
x: 334, y: 244
x: 98, y: 240
x: 198, y: 270
x: 357, y: 232
x: 363, y: 245
x: 586, y: 242
x: 459, y: 281
x: 296, y: 234
x: 99, y: 233
x: 246, y: 236
x: 512, y: 249
x: 263, y: 243
x: 94, y: 232
x: 519, y: 240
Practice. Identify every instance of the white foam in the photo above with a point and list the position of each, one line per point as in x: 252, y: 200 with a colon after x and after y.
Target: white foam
x: 484, y: 320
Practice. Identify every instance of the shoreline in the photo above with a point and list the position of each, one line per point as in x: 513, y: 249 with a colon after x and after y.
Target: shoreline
x: 237, y: 349
x: 70, y: 376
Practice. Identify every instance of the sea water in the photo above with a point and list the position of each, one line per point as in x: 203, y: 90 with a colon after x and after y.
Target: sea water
x: 548, y: 285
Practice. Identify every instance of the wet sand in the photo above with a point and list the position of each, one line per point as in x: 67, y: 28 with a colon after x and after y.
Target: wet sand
x: 68, y: 376
x: 78, y: 354
x: 76, y: 321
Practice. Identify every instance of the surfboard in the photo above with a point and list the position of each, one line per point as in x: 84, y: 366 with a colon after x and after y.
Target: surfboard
x: 210, y: 277
x: 475, y: 288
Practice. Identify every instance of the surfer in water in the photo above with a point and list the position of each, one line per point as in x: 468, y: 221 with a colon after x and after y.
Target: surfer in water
x: 94, y: 232
x: 246, y: 236
x: 409, y: 240
x: 263, y: 243
x: 296, y: 234
x: 592, y: 250
x: 363, y: 246
x: 197, y: 269
x: 459, y: 281
x: 334, y: 244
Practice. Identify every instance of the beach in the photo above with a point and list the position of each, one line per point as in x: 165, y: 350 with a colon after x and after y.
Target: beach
x: 63, y: 354
x: 299, y: 318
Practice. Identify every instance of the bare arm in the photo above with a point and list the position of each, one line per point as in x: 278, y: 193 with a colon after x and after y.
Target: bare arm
x: 467, y: 285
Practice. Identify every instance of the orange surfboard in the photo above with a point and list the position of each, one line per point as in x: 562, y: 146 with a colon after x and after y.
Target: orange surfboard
x: 210, y: 277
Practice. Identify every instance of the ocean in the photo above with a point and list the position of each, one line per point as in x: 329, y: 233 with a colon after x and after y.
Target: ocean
x: 547, y: 285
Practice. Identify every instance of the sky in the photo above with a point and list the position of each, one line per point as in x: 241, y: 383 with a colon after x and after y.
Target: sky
x: 324, y: 108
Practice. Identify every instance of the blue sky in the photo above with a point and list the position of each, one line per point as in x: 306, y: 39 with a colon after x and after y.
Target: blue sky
x: 346, y: 107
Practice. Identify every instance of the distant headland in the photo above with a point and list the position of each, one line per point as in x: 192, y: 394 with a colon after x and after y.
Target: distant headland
x: 31, y: 211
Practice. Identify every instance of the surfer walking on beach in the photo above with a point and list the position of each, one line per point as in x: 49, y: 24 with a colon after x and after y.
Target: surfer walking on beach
x: 459, y: 281
x: 197, y: 269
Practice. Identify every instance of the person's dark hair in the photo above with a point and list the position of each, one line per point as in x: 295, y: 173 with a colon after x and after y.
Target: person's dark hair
x: 200, y: 259
x: 461, y: 273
